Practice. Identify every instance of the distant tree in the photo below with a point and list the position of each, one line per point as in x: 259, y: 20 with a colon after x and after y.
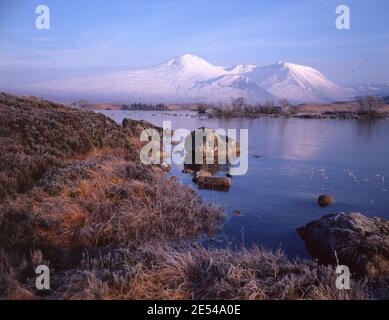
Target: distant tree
x: 269, y: 104
x: 284, y: 103
x: 202, y: 108
x: 285, y: 106
x: 144, y: 106
x: 239, y: 102
x: 270, y: 109
x: 370, y: 105
x: 238, y: 107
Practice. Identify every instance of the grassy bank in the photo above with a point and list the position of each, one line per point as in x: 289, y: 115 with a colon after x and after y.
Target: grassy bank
x: 365, y: 109
x: 74, y: 196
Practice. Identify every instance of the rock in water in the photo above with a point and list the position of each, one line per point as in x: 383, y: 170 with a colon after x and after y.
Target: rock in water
x: 165, y: 167
x: 210, y: 145
x: 214, y: 183
x: 325, y: 200
x: 205, y: 180
x: 201, y: 174
x: 360, y: 242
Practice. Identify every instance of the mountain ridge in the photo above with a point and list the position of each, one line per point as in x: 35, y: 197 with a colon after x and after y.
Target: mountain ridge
x: 189, y: 78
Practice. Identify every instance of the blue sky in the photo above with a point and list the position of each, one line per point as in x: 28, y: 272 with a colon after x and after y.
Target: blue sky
x: 89, y: 36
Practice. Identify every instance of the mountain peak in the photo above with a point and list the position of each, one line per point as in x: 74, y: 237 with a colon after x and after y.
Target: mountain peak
x: 186, y: 60
x: 190, y: 64
x: 297, y: 70
x: 289, y: 65
x: 190, y: 57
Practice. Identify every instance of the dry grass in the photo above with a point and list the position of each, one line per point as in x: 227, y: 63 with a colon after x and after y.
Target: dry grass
x: 157, y: 272
x: 346, y: 107
x: 103, y: 202
x: 36, y: 135
x: 330, y: 107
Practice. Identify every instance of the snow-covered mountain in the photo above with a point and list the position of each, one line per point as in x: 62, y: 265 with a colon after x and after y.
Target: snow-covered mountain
x: 230, y: 86
x: 297, y: 83
x: 170, y: 81
x: 241, y: 68
x: 189, y: 78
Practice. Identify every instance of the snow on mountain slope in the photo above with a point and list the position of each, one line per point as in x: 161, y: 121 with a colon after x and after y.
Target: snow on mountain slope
x: 297, y: 83
x: 189, y: 78
x: 167, y: 82
x: 227, y: 87
x: 241, y: 68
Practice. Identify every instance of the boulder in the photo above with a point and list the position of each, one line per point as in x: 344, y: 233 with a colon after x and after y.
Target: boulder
x: 165, y: 167
x: 354, y: 240
x: 187, y: 171
x: 214, y: 183
x: 213, y: 144
x: 205, y: 180
x: 201, y: 174
x: 325, y: 200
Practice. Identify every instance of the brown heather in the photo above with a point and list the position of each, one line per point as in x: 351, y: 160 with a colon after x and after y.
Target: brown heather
x: 74, y: 196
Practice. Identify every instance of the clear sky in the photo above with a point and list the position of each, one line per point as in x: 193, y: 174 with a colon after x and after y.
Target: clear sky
x: 90, y: 36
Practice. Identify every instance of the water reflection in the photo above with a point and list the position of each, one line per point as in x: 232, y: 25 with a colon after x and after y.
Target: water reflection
x: 367, y: 129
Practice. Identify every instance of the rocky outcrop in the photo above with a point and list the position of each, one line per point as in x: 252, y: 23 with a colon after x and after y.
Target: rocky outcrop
x: 214, y: 183
x: 136, y: 127
x: 205, y: 180
x: 360, y: 242
x: 213, y: 145
x: 325, y: 200
x: 187, y: 171
x: 200, y: 175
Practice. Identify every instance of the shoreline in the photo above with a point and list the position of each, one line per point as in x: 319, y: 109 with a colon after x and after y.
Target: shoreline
x: 327, y: 115
x: 317, y: 116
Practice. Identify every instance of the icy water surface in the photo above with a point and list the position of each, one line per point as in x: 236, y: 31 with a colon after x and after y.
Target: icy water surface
x: 299, y: 160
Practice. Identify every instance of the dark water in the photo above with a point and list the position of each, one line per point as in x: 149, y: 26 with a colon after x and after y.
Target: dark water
x: 299, y: 160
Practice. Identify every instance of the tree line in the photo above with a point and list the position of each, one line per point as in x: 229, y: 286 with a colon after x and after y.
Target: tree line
x: 144, y: 106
